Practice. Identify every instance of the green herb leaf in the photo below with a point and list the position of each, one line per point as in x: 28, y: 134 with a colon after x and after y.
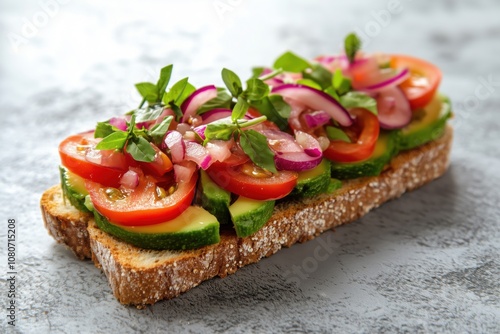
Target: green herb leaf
x: 140, y: 149
x: 318, y: 74
x: 103, y: 129
x: 341, y: 84
x: 352, y: 44
x: 177, y: 111
x: 271, y: 75
x: 221, y: 129
x: 148, y: 114
x: 337, y: 134
x: 113, y: 141
x: 223, y: 101
x: 148, y: 91
x: 162, y: 84
x: 254, y: 144
x: 332, y: 92
x: 310, y: 83
x: 257, y: 71
x: 239, y: 109
x: 232, y: 82
x: 158, y: 131
x: 179, y: 92
x: 290, y: 62
x: 275, y: 109
x: 256, y: 89
x: 359, y: 100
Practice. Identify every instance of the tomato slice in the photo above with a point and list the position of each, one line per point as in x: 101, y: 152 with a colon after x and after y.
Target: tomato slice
x: 161, y: 164
x: 250, y: 181
x: 423, y: 82
x: 362, y: 147
x: 149, y: 203
x: 103, y: 166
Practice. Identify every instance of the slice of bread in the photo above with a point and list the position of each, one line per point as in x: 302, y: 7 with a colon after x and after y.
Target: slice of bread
x: 140, y: 277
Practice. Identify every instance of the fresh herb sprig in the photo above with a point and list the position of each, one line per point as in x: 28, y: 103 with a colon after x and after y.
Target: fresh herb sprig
x: 253, y: 143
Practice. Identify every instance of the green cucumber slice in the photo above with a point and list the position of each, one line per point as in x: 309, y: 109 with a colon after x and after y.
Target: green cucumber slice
x: 249, y: 215
x: 313, y: 182
x: 214, y: 199
x: 385, y: 149
x: 73, y: 188
x: 194, y: 228
x: 427, y: 124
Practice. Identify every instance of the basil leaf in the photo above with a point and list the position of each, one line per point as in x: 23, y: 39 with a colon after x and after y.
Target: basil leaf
x: 319, y: 74
x: 232, y: 82
x: 220, y: 130
x: 352, y: 44
x: 148, y: 91
x: 239, y: 109
x: 275, y: 109
x: 222, y: 101
x: 162, y: 84
x: 257, y: 71
x: 179, y: 92
x: 177, y: 111
x: 140, y: 149
x: 254, y: 144
x: 148, y: 114
x: 290, y: 62
x: 158, y: 131
x: 113, y: 141
x: 256, y: 89
x: 332, y: 92
x: 310, y: 83
x: 103, y: 129
x: 359, y: 100
x: 341, y: 84
x: 337, y: 134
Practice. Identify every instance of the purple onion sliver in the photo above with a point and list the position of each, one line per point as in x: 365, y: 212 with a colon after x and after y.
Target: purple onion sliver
x: 392, y: 81
x: 119, y: 123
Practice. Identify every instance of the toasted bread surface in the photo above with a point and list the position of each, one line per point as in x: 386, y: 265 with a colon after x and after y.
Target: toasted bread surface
x: 140, y: 277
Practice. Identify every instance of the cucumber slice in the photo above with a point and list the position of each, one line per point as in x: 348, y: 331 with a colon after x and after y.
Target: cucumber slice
x: 214, y: 199
x: 313, y: 182
x: 194, y: 228
x: 73, y: 187
x: 249, y: 215
x: 385, y: 149
x: 427, y: 124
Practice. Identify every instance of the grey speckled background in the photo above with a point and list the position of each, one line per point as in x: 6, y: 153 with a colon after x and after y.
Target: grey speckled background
x: 428, y: 262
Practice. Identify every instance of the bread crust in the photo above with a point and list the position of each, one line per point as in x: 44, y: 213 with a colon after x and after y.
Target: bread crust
x: 140, y: 277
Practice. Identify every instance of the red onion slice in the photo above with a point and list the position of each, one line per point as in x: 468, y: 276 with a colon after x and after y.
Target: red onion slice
x: 308, y: 143
x: 394, y: 111
x: 215, y: 114
x: 199, y: 154
x: 130, y: 179
x: 317, y: 118
x: 219, y: 150
x: 196, y: 100
x: 119, y: 123
x: 295, y: 161
x: 200, y: 130
x: 389, y: 82
x: 175, y: 143
x: 316, y: 100
x: 184, y: 171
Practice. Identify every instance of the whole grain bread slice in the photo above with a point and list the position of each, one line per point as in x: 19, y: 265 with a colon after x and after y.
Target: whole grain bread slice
x: 140, y: 277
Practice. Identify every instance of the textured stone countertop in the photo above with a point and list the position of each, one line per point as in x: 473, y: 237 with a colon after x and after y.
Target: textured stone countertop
x: 427, y: 262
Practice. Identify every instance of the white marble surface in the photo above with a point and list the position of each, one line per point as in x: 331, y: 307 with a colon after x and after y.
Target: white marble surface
x: 427, y: 262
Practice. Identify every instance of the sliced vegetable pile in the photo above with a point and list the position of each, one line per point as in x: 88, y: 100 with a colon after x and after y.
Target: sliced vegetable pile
x: 167, y: 174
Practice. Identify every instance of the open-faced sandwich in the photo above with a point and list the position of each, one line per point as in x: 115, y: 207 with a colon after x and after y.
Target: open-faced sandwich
x: 198, y: 182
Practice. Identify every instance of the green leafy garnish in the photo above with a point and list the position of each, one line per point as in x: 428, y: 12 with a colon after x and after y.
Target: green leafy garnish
x: 256, y: 89
x: 310, y: 83
x: 359, y: 100
x: 103, y: 129
x: 319, y: 74
x: 275, y: 109
x: 340, y: 83
x: 113, y: 141
x: 232, y: 82
x: 153, y: 93
x: 352, y: 44
x: 222, y: 101
x: 334, y: 133
x: 254, y: 144
x: 290, y: 62
x: 140, y: 149
x: 158, y: 131
x: 240, y: 109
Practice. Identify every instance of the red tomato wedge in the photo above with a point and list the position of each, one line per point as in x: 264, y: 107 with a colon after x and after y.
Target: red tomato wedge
x: 103, y: 166
x: 362, y: 147
x: 423, y: 82
x: 149, y: 203
x: 250, y: 181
